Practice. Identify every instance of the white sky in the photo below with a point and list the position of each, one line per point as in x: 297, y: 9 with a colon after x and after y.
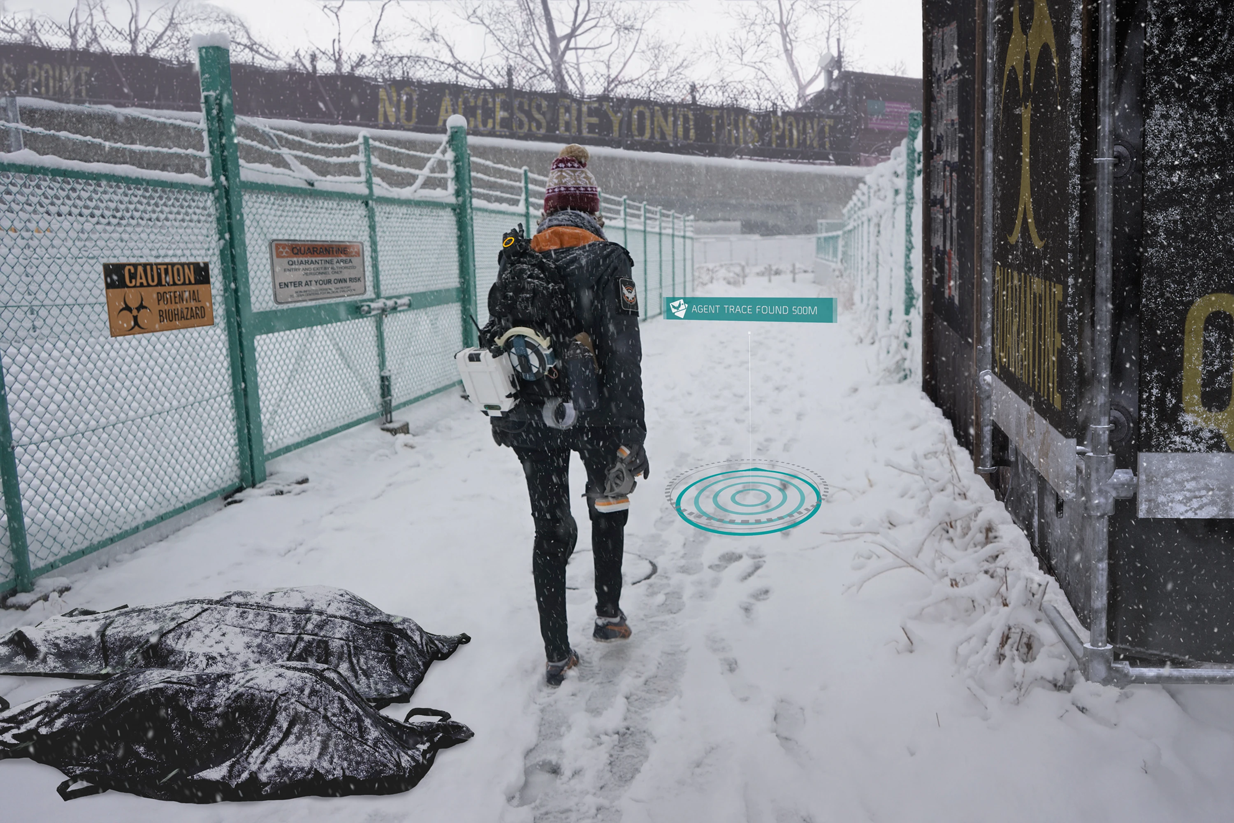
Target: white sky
x: 888, y: 32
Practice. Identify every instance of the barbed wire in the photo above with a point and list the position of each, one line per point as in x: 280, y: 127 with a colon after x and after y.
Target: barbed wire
x: 245, y: 50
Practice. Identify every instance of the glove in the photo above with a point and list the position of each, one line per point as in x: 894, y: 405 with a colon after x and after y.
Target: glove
x: 635, y: 458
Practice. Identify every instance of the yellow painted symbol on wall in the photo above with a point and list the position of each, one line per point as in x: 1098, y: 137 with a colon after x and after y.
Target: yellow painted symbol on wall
x: 150, y: 297
x: 1028, y: 48
x: 1193, y: 367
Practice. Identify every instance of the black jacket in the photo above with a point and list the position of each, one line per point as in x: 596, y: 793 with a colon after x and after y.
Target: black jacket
x: 607, y: 309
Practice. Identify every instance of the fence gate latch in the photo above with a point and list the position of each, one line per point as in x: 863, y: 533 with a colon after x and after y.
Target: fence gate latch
x: 1122, y: 484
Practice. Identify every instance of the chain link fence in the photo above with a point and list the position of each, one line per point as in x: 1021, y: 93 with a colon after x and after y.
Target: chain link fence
x: 105, y: 431
x: 875, y: 254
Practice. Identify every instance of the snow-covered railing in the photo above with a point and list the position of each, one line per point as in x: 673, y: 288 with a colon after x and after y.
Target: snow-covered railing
x: 827, y: 247
x: 876, y: 255
x: 76, y: 135
x: 394, y: 170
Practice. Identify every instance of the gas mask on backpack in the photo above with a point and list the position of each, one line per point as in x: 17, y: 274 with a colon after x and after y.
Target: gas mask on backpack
x: 533, y: 343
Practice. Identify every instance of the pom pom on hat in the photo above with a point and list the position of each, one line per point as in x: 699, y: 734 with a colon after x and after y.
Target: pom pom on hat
x: 570, y: 184
x: 577, y: 152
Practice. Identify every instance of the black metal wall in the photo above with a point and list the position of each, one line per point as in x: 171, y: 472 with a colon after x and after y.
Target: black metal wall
x: 1172, y: 548
x: 1173, y: 577
x: 951, y: 69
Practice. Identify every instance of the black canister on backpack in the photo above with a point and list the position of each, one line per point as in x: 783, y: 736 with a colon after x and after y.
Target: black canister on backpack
x: 579, y: 366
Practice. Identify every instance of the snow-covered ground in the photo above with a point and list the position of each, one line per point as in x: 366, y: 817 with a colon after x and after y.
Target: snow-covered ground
x: 779, y: 678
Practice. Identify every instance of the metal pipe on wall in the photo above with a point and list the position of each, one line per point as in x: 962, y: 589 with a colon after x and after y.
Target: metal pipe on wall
x: 985, y: 337
x: 1065, y: 632
x: 1098, y: 462
x: 1124, y: 674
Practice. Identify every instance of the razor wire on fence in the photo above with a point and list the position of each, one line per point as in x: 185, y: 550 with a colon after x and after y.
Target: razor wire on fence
x: 173, y: 45
x: 109, y: 423
x: 876, y: 255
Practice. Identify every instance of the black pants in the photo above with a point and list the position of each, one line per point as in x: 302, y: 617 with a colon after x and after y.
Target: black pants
x: 548, y: 484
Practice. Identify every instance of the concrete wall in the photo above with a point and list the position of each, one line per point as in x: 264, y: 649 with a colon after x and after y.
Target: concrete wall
x: 766, y: 197
x: 753, y: 250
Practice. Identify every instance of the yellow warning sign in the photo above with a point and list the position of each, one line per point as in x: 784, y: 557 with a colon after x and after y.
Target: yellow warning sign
x: 149, y: 297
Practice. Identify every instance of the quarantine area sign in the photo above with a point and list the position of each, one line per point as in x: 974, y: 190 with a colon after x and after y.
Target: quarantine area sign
x: 150, y: 297
x: 309, y: 270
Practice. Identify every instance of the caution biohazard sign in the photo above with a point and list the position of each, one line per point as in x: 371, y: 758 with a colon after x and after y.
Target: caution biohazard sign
x: 149, y: 297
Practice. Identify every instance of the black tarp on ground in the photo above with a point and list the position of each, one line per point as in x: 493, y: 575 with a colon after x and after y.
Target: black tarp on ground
x: 278, y: 731
x: 384, y: 657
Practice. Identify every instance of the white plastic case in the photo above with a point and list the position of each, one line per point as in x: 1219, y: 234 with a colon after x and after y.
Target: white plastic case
x: 488, y: 380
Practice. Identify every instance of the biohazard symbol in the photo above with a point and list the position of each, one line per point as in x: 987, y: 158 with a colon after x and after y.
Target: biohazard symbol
x: 1020, y: 50
x: 133, y: 321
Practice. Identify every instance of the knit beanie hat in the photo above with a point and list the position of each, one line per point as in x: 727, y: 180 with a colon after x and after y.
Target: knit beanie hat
x: 570, y: 185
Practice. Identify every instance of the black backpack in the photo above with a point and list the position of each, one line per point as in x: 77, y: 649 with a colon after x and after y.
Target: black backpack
x: 530, y: 292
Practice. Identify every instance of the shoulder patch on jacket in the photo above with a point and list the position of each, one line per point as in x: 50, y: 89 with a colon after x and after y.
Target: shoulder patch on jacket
x: 627, y: 296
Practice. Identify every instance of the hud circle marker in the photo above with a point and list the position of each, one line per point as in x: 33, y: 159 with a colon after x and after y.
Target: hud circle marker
x: 747, y: 497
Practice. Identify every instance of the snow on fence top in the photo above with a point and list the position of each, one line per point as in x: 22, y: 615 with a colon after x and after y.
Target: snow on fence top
x: 876, y: 262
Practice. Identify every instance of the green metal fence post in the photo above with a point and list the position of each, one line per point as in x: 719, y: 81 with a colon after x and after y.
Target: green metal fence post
x: 646, y: 295
x: 625, y: 221
x: 14, y: 512
x: 215, y: 65
x: 385, y: 382
x: 660, y: 253
x: 672, y: 252
x: 914, y: 127
x: 464, y: 217
x: 527, y: 198
x: 685, y: 251
x: 693, y: 251
x: 687, y: 255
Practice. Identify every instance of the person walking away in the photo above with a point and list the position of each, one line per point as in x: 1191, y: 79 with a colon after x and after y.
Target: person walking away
x: 609, y: 438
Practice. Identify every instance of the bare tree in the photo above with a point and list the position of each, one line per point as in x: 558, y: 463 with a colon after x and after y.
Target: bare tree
x: 78, y: 29
x: 341, y: 56
x: 147, y: 34
x: 204, y: 18
x: 781, y: 45
x: 124, y: 26
x: 576, y: 46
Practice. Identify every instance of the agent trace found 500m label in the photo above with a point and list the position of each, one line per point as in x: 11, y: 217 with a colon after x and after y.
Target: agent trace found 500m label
x: 150, y: 297
x: 309, y: 270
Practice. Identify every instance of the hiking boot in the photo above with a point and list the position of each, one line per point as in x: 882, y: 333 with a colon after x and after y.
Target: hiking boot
x: 555, y: 671
x: 611, y: 628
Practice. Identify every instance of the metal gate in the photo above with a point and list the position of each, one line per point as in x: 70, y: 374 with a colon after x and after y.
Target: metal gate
x: 102, y: 436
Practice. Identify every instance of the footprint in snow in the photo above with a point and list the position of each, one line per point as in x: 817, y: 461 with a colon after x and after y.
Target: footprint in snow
x: 730, y: 668
x: 752, y: 569
x: 790, y: 720
x: 537, y: 778
x: 724, y: 561
x: 666, y: 520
